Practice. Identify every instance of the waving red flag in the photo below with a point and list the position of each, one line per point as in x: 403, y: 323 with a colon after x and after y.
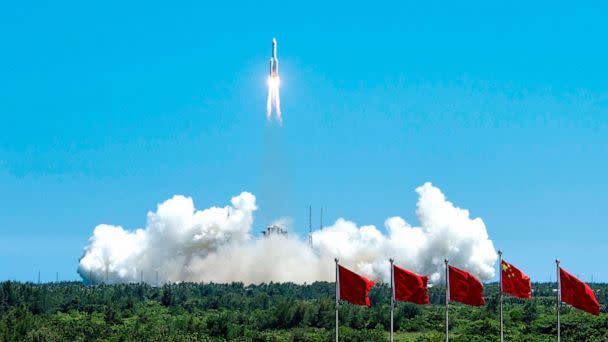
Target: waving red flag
x: 515, y: 282
x: 410, y: 287
x: 465, y: 288
x: 577, y: 293
x: 354, y: 288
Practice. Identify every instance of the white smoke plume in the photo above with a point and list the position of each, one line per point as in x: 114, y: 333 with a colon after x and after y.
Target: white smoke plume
x: 445, y: 231
x: 180, y: 243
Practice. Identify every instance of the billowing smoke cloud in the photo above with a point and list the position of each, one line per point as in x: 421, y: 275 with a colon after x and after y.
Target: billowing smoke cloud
x: 175, y: 235
x: 445, y: 231
x: 180, y: 243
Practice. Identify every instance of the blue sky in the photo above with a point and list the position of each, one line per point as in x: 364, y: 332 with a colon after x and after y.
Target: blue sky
x: 108, y: 109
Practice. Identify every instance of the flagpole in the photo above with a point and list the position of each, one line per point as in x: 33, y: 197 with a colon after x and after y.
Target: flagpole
x: 337, y: 296
x: 392, y: 296
x: 447, y: 300
x: 500, y: 298
x: 559, y: 300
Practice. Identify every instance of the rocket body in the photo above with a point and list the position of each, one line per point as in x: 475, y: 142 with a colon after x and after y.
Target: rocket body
x: 274, y: 100
x: 274, y: 62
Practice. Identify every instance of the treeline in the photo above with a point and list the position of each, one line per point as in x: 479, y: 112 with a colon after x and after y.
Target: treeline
x: 273, y: 312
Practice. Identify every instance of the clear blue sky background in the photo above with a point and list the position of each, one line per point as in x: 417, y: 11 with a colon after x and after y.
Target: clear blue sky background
x: 107, y: 109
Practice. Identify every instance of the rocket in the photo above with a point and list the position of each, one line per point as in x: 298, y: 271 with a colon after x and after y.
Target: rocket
x: 274, y: 62
x: 273, y: 85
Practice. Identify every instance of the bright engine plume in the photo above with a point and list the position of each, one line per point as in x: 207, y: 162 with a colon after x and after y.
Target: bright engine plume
x: 274, y: 83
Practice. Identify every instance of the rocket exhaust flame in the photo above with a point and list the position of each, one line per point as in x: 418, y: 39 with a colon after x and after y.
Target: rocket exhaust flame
x: 274, y: 100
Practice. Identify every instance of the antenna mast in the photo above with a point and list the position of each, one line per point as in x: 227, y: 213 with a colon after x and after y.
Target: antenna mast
x: 321, y: 226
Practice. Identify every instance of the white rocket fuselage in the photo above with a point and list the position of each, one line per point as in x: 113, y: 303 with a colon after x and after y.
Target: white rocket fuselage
x: 274, y: 62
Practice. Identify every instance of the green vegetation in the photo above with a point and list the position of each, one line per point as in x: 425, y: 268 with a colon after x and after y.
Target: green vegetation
x: 271, y: 312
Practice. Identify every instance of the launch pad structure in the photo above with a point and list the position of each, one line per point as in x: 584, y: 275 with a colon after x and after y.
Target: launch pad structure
x: 274, y: 230
x: 278, y: 230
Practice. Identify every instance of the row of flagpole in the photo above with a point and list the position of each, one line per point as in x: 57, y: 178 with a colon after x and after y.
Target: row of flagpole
x: 447, y: 301
x: 500, y: 292
x: 522, y: 289
x: 337, y: 297
x: 559, y: 301
x: 392, y: 296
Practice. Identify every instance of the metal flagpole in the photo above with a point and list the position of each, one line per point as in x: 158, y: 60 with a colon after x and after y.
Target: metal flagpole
x: 559, y: 301
x: 500, y: 299
x: 392, y: 296
x: 337, y: 295
x: 447, y: 301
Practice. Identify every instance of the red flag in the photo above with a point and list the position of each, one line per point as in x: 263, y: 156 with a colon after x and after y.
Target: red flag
x: 465, y: 288
x: 515, y: 282
x: 577, y: 293
x: 410, y: 287
x: 354, y: 288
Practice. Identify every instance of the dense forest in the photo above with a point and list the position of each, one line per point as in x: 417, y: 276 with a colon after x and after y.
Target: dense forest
x: 71, y: 311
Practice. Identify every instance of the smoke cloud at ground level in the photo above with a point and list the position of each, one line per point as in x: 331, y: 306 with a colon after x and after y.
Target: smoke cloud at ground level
x: 180, y: 243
